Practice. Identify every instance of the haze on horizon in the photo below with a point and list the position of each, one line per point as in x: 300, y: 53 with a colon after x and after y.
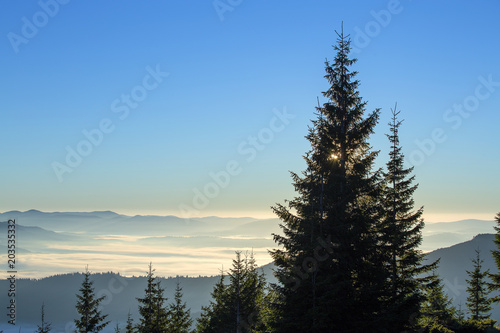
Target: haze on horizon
x: 59, y: 243
x: 428, y: 218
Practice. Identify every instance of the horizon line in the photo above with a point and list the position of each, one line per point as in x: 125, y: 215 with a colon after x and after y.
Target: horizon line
x: 428, y: 218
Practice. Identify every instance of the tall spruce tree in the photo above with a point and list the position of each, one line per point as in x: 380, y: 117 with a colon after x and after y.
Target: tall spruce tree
x: 401, y: 234
x: 330, y: 267
x: 478, y: 302
x: 91, y: 319
x: 180, y: 315
x: 152, y: 311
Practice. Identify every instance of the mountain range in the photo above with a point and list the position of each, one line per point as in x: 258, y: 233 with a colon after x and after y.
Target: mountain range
x: 57, y: 243
x: 58, y: 292
x: 51, y: 247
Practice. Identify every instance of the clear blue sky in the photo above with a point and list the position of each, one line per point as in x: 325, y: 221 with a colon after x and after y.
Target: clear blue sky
x: 233, y: 66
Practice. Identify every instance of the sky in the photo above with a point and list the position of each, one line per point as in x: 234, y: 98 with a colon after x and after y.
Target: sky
x: 199, y: 108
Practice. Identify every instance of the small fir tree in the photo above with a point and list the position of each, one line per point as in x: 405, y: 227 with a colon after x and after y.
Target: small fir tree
x: 237, y: 275
x: 239, y: 305
x: 478, y: 302
x: 459, y: 314
x: 436, y: 309
x: 153, y: 314
x: 246, y: 290
x: 495, y: 278
x: 44, y: 327
x: 91, y: 319
x: 253, y: 296
x: 216, y: 317
x: 180, y: 315
x: 130, y: 328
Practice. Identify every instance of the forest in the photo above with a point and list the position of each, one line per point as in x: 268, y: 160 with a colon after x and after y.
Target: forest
x: 348, y: 259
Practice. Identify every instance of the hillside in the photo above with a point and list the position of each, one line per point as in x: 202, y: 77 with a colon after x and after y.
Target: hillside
x: 51, y: 244
x: 456, y: 259
x: 58, y: 292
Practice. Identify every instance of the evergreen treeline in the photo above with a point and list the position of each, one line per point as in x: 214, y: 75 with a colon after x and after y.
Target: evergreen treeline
x: 348, y: 259
x: 238, y: 305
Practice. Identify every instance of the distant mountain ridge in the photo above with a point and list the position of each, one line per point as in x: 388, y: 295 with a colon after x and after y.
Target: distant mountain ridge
x: 107, y: 222
x: 436, y: 235
x: 58, y: 292
x: 57, y: 243
x: 444, y: 234
x: 457, y: 259
x: 52, y: 244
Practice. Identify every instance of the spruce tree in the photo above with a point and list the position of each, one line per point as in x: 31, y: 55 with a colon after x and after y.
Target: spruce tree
x: 436, y: 309
x: 237, y: 275
x: 216, y: 317
x: 180, y: 316
x: 330, y: 266
x: 460, y: 315
x: 269, y: 313
x: 478, y: 302
x: 401, y: 234
x: 91, y: 319
x: 253, y: 296
x: 130, y: 328
x: 246, y: 291
x: 44, y: 327
x: 237, y: 306
x: 495, y: 278
x: 154, y: 315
